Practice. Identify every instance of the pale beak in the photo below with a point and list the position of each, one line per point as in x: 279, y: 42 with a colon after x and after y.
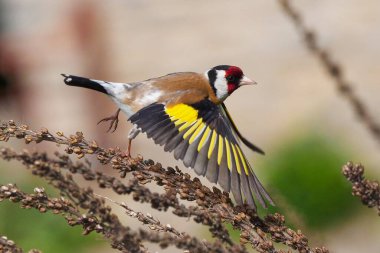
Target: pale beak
x: 246, y: 81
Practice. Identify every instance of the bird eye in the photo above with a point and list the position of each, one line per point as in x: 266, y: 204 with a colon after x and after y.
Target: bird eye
x: 231, y: 78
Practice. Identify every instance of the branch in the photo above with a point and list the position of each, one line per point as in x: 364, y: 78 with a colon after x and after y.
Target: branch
x: 97, y: 219
x: 212, y: 207
x: 333, y: 68
x: 49, y: 169
x: 7, y: 245
x: 105, y: 222
x: 368, y: 191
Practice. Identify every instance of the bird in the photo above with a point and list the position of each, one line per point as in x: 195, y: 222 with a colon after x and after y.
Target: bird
x: 185, y: 113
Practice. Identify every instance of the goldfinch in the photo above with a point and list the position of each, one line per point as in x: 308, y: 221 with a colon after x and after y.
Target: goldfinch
x: 185, y: 113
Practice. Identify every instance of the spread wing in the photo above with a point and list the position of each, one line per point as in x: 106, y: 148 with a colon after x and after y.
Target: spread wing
x: 202, y: 137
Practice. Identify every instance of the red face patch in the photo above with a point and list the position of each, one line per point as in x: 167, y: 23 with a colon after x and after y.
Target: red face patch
x: 233, y: 76
x: 234, y: 71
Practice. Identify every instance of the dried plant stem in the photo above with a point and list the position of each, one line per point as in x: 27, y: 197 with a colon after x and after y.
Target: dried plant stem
x: 49, y: 169
x: 97, y: 219
x: 368, y: 191
x: 333, y: 68
x: 45, y: 167
x: 9, y: 246
x: 212, y: 207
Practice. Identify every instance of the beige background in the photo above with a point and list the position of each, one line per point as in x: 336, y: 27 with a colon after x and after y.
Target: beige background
x: 134, y: 40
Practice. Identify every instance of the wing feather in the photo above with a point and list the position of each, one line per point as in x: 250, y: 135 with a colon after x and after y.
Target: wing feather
x: 169, y: 133
x: 201, y: 163
x: 180, y: 149
x: 247, y: 190
x: 235, y: 187
x: 212, y: 165
x: 174, y: 141
x: 159, y: 134
x: 204, y: 137
x: 192, y: 151
x: 225, y: 168
x: 190, y: 156
x: 156, y: 128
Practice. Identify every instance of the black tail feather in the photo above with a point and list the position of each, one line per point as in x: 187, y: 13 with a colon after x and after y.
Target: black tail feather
x: 83, y: 82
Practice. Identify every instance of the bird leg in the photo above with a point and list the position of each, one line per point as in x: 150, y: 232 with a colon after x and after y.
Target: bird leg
x: 128, y: 154
x: 114, y: 121
x: 131, y: 135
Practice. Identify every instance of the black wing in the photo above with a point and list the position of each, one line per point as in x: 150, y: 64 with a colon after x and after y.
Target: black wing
x: 201, y: 136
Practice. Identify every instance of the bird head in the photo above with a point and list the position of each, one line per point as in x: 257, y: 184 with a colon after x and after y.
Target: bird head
x: 225, y: 79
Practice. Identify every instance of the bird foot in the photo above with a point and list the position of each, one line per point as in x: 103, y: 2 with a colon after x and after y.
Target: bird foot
x: 114, y: 121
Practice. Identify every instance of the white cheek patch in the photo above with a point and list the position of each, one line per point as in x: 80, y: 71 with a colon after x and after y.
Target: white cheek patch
x: 221, y: 85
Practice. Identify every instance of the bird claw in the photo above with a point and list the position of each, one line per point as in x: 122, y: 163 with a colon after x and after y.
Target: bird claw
x: 114, y: 121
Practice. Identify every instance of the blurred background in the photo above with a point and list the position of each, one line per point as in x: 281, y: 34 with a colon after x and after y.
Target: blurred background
x: 295, y: 114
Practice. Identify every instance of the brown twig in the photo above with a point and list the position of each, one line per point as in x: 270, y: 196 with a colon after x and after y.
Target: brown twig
x: 333, y: 68
x: 368, y: 191
x: 97, y: 219
x: 121, y: 239
x: 45, y: 167
x: 212, y: 207
x: 49, y: 169
x: 9, y: 246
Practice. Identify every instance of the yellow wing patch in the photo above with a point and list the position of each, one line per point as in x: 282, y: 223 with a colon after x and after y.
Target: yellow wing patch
x: 204, y: 138
x: 228, y: 151
x: 182, y: 113
x: 187, y: 117
x: 192, y: 128
x: 197, y: 132
x: 242, y: 159
x: 220, y: 149
x: 212, y: 144
x: 236, y: 159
